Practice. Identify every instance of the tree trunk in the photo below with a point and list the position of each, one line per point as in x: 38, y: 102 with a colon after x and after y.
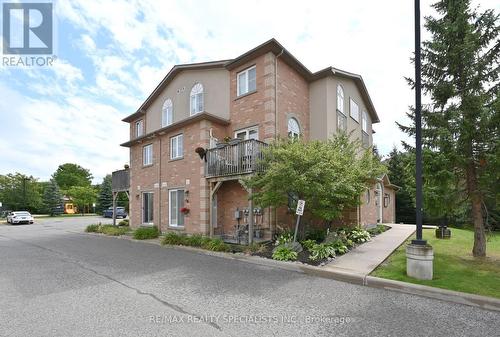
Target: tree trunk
x: 479, y: 249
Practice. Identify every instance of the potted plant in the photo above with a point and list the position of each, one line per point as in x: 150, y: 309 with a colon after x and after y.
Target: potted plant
x: 184, y: 210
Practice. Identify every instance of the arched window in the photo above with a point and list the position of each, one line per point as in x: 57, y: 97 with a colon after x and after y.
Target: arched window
x: 196, y: 103
x: 167, y: 113
x: 340, y: 98
x: 293, y: 128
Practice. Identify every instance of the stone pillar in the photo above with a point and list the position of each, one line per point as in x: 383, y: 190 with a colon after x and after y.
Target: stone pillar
x: 419, y: 261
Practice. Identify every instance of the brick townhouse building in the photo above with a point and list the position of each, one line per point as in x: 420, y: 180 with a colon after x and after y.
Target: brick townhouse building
x: 201, y: 131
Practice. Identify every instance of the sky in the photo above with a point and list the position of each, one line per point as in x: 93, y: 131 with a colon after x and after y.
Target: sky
x: 112, y: 54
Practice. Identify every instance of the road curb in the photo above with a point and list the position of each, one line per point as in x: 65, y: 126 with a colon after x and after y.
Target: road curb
x: 484, y: 302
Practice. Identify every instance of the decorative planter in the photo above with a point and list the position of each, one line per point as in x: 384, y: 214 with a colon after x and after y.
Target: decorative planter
x: 443, y: 233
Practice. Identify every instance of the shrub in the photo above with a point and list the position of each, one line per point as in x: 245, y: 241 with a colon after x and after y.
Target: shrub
x: 377, y: 230
x: 195, y: 240
x: 308, y: 244
x: 283, y: 253
x: 113, y: 230
x: 254, y: 248
x: 339, y: 246
x: 145, y: 233
x: 124, y: 222
x: 321, y: 251
x: 316, y: 234
x: 216, y: 245
x: 173, y: 238
x: 359, y: 235
x: 94, y: 228
x: 284, y: 237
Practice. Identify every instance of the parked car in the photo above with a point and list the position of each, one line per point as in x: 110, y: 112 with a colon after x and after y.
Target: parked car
x: 120, y: 212
x: 20, y: 217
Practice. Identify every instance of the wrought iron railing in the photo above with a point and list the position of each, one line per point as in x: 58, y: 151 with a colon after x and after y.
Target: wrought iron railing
x: 233, y: 159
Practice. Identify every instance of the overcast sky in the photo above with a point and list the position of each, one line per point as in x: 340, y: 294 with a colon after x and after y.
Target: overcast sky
x: 112, y: 54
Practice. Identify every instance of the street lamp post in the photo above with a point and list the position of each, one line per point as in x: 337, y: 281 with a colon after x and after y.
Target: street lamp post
x: 418, y: 130
x: 419, y: 255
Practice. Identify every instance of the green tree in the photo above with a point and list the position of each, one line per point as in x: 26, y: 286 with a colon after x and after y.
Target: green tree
x: 399, y: 166
x: 460, y: 75
x: 105, y: 199
x: 329, y: 175
x: 20, y: 192
x: 82, y: 196
x: 52, y: 197
x: 69, y: 175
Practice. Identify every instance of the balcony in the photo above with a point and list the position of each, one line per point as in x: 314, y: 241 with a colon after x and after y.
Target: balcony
x: 243, y: 157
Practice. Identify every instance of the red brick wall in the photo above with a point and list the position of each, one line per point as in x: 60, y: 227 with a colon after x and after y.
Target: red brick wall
x: 389, y: 212
x: 255, y: 108
x: 186, y: 173
x: 293, y: 99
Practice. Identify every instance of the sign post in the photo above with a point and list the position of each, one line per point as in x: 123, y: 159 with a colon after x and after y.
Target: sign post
x: 299, y: 212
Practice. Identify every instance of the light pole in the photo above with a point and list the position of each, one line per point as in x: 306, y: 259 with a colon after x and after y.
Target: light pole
x: 418, y: 130
x: 419, y: 255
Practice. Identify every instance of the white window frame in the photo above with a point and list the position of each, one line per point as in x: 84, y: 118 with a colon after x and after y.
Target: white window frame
x: 167, y: 113
x: 294, y: 134
x: 364, y: 121
x: 177, y: 146
x: 139, y: 128
x: 246, y: 81
x: 151, y: 193
x: 354, y: 114
x: 340, y: 99
x: 247, y: 133
x: 196, y: 99
x: 178, y: 212
x: 147, y: 155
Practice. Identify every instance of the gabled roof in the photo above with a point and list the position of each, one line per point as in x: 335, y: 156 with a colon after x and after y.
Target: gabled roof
x: 167, y: 79
x: 196, y: 118
x: 276, y: 48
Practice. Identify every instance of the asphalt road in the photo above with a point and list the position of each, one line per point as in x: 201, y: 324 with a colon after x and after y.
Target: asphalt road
x: 57, y: 281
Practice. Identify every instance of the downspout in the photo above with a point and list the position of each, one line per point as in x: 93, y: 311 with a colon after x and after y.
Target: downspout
x: 159, y: 190
x: 276, y: 118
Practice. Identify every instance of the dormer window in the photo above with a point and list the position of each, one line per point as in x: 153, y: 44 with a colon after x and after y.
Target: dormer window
x: 139, y: 128
x: 196, y: 99
x: 167, y: 113
x: 246, y: 81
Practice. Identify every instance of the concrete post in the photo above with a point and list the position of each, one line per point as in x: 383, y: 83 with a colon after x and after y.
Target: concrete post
x: 419, y: 261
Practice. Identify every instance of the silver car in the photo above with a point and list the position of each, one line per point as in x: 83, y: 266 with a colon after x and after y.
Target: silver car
x: 20, y: 217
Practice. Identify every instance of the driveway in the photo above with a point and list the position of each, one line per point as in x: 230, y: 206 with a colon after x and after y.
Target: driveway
x: 57, y: 281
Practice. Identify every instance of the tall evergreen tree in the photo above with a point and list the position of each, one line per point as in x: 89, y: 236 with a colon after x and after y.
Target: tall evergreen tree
x: 52, y: 197
x: 105, y: 198
x: 460, y: 74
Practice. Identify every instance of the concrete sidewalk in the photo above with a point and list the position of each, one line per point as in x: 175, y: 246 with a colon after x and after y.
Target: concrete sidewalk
x: 366, y: 257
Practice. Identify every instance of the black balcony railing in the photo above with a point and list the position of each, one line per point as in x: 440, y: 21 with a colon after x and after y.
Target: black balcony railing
x: 234, y: 159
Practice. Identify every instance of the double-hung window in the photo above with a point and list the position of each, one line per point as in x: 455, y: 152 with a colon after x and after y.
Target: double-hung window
x: 341, y: 117
x: 176, y: 203
x: 246, y: 81
x: 364, y: 126
x: 139, y: 128
x: 147, y: 155
x: 354, y: 110
x: 176, y: 147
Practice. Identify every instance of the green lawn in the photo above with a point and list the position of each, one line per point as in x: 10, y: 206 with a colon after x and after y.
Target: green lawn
x: 454, y: 266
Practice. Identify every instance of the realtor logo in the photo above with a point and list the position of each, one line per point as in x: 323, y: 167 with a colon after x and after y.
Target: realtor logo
x: 27, y: 28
